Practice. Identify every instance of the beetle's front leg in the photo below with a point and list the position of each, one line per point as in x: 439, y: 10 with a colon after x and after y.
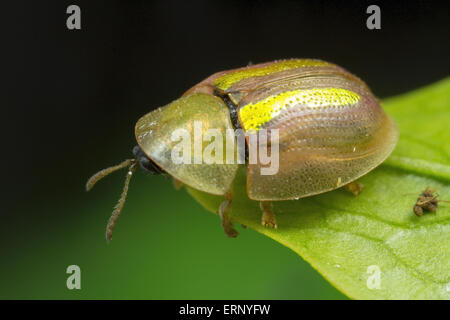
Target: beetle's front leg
x: 354, y: 187
x: 268, y: 217
x: 224, y: 208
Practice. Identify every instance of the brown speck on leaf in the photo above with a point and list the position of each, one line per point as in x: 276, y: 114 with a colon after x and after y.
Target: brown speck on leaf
x: 426, y: 202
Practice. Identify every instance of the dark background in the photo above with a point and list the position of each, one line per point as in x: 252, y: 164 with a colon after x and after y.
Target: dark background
x: 71, y: 98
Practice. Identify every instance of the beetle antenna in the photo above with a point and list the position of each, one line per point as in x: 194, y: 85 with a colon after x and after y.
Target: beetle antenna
x: 118, y: 208
x: 131, y: 164
x: 103, y: 173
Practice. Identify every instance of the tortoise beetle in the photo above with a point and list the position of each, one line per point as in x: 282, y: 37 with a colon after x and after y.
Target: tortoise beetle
x: 331, y: 130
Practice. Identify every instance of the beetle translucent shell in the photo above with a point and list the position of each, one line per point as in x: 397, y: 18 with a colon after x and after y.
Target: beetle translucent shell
x: 332, y: 130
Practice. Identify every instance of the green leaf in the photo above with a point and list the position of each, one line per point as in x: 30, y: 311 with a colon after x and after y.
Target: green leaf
x: 342, y: 236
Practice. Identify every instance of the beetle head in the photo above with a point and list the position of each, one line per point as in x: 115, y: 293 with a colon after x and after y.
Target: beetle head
x: 181, y: 128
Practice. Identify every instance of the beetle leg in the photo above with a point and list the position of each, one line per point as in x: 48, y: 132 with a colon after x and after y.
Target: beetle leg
x: 177, y: 183
x: 224, y: 208
x: 268, y: 217
x: 354, y: 187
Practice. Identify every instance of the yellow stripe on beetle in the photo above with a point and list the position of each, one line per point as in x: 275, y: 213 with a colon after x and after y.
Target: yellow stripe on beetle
x: 253, y: 116
x: 228, y: 79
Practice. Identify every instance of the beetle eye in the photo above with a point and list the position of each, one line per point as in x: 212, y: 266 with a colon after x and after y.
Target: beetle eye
x: 146, y: 163
x: 136, y: 151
